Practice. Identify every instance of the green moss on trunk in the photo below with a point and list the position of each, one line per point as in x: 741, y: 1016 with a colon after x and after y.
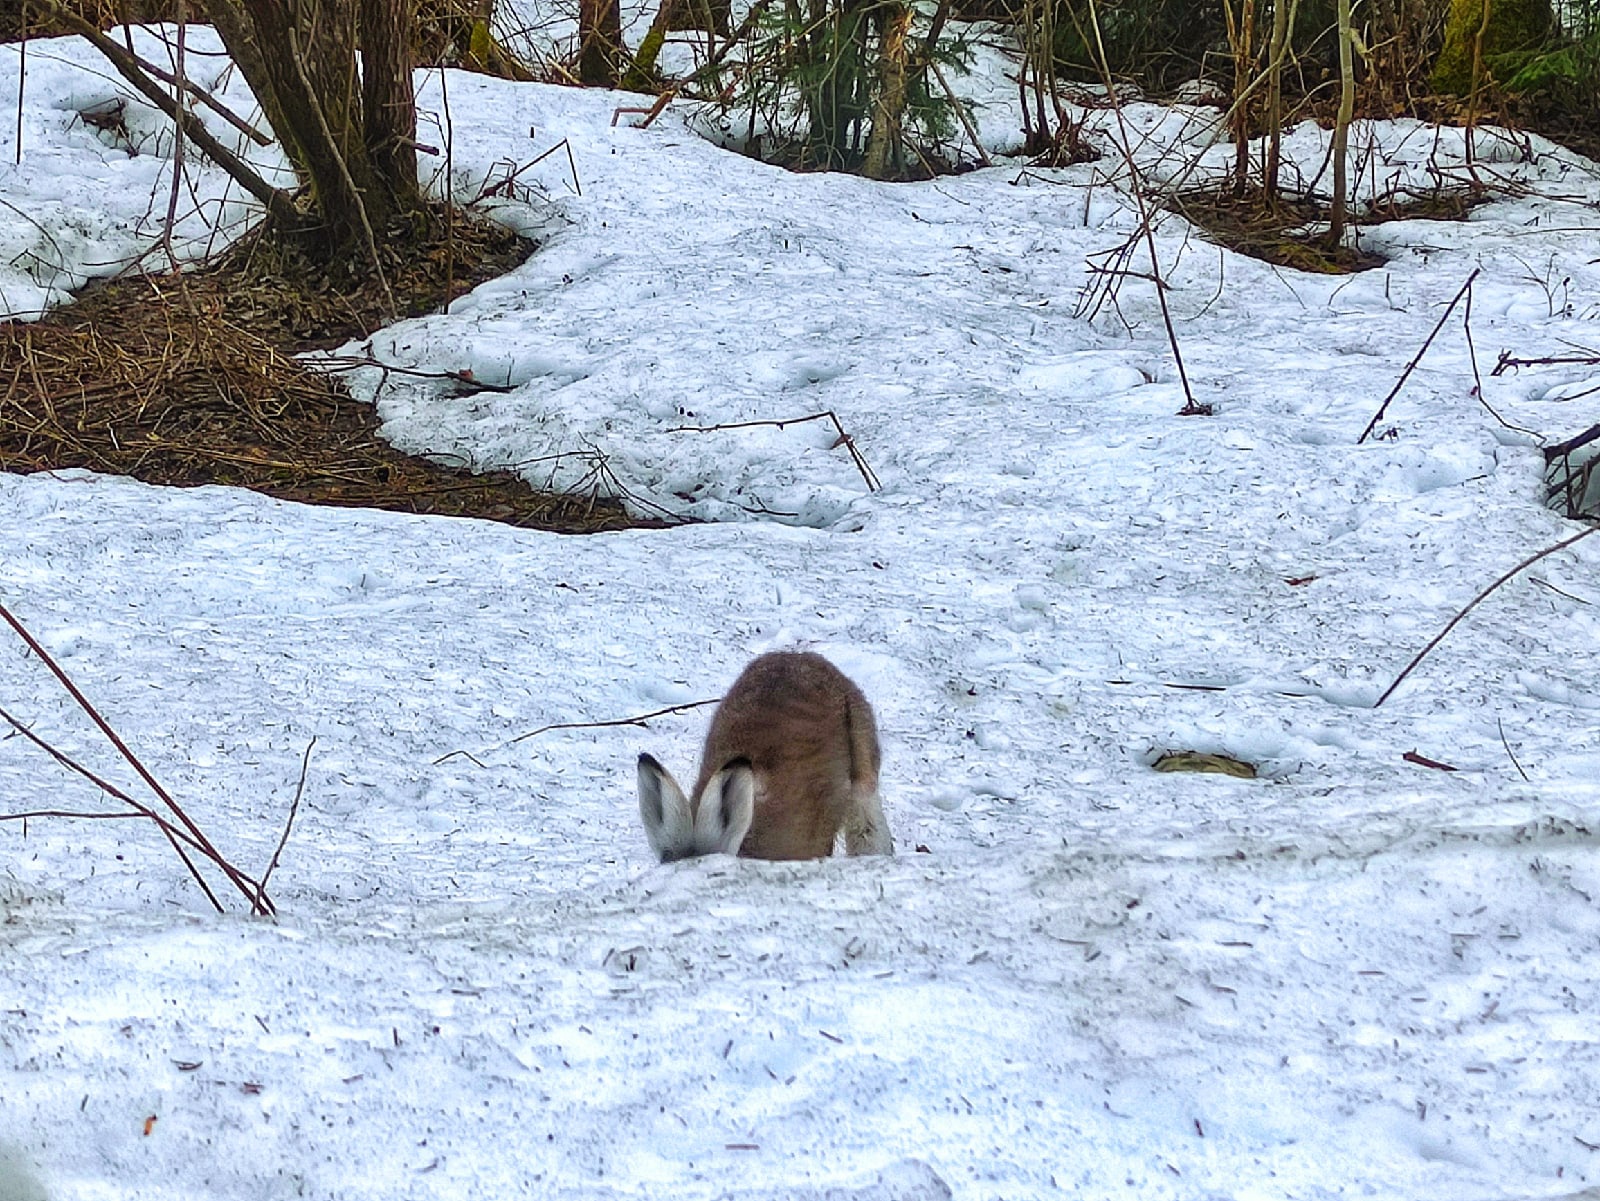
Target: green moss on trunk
x: 1513, y: 25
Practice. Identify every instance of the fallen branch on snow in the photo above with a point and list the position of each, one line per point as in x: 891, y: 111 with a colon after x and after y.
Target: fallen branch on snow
x: 1412, y: 365
x: 639, y: 720
x: 1475, y: 601
x: 844, y: 439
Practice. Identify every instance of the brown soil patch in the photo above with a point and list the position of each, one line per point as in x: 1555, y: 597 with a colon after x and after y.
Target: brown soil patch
x: 188, y: 380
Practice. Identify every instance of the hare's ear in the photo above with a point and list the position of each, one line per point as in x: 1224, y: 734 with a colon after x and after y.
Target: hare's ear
x: 727, y: 807
x: 668, y: 822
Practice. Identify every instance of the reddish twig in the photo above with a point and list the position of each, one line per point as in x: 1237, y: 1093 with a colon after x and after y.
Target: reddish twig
x: 334, y: 364
x: 174, y: 835
x: 140, y: 809
x: 259, y: 903
x: 1424, y: 761
x: 650, y: 114
x: 506, y: 184
x: 1507, y: 362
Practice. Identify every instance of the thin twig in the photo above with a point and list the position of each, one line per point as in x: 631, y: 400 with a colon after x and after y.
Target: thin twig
x: 709, y: 67
x: 960, y: 114
x: 22, y: 79
x: 178, y: 141
x: 1454, y: 621
x: 207, y: 99
x: 337, y: 363
x: 1412, y: 365
x: 449, y: 191
x: 505, y: 185
x: 1477, y: 378
x: 252, y: 891
x: 650, y: 113
x: 1561, y: 592
x: 294, y: 808
x: 83, y: 702
x: 639, y: 720
x: 140, y: 809
x: 1510, y: 754
x: 1191, y: 408
x: 572, y: 165
x: 616, y: 721
x: 845, y: 440
x: 174, y: 835
x: 1559, y: 360
x: 75, y: 814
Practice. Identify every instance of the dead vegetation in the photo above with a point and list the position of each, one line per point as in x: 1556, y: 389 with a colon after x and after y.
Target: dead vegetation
x: 191, y: 379
x: 1292, y: 232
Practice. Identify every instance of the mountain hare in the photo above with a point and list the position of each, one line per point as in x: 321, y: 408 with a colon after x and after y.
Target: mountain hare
x: 790, y: 759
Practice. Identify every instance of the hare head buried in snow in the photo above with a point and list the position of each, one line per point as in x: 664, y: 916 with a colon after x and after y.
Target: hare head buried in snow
x: 791, y: 759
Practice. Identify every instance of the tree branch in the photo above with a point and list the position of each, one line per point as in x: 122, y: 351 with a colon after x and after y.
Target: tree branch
x: 207, y: 99
x: 277, y: 202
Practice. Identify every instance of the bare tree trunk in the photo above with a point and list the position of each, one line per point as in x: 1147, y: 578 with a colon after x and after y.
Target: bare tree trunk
x: 387, y: 100
x: 351, y: 141
x: 600, y: 50
x: 1241, y: 42
x: 274, y: 200
x: 1341, y: 130
x: 1283, y: 14
x: 238, y: 34
x: 311, y: 72
x: 883, y: 143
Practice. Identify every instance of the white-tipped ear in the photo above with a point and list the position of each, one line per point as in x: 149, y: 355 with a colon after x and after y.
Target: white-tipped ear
x: 668, y: 823
x: 727, y: 807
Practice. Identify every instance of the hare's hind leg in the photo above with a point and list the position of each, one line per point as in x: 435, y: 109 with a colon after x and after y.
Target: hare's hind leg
x: 866, y: 832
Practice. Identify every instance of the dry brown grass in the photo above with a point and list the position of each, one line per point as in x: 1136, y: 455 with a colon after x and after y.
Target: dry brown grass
x: 192, y: 379
x: 1273, y: 233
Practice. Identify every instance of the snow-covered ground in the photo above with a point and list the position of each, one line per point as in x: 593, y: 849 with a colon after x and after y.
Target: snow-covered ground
x: 1356, y: 976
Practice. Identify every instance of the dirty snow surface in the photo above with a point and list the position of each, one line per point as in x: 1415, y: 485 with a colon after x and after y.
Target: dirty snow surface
x: 1357, y: 975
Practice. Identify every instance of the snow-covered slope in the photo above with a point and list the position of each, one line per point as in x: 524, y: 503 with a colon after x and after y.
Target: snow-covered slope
x: 1354, y: 976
